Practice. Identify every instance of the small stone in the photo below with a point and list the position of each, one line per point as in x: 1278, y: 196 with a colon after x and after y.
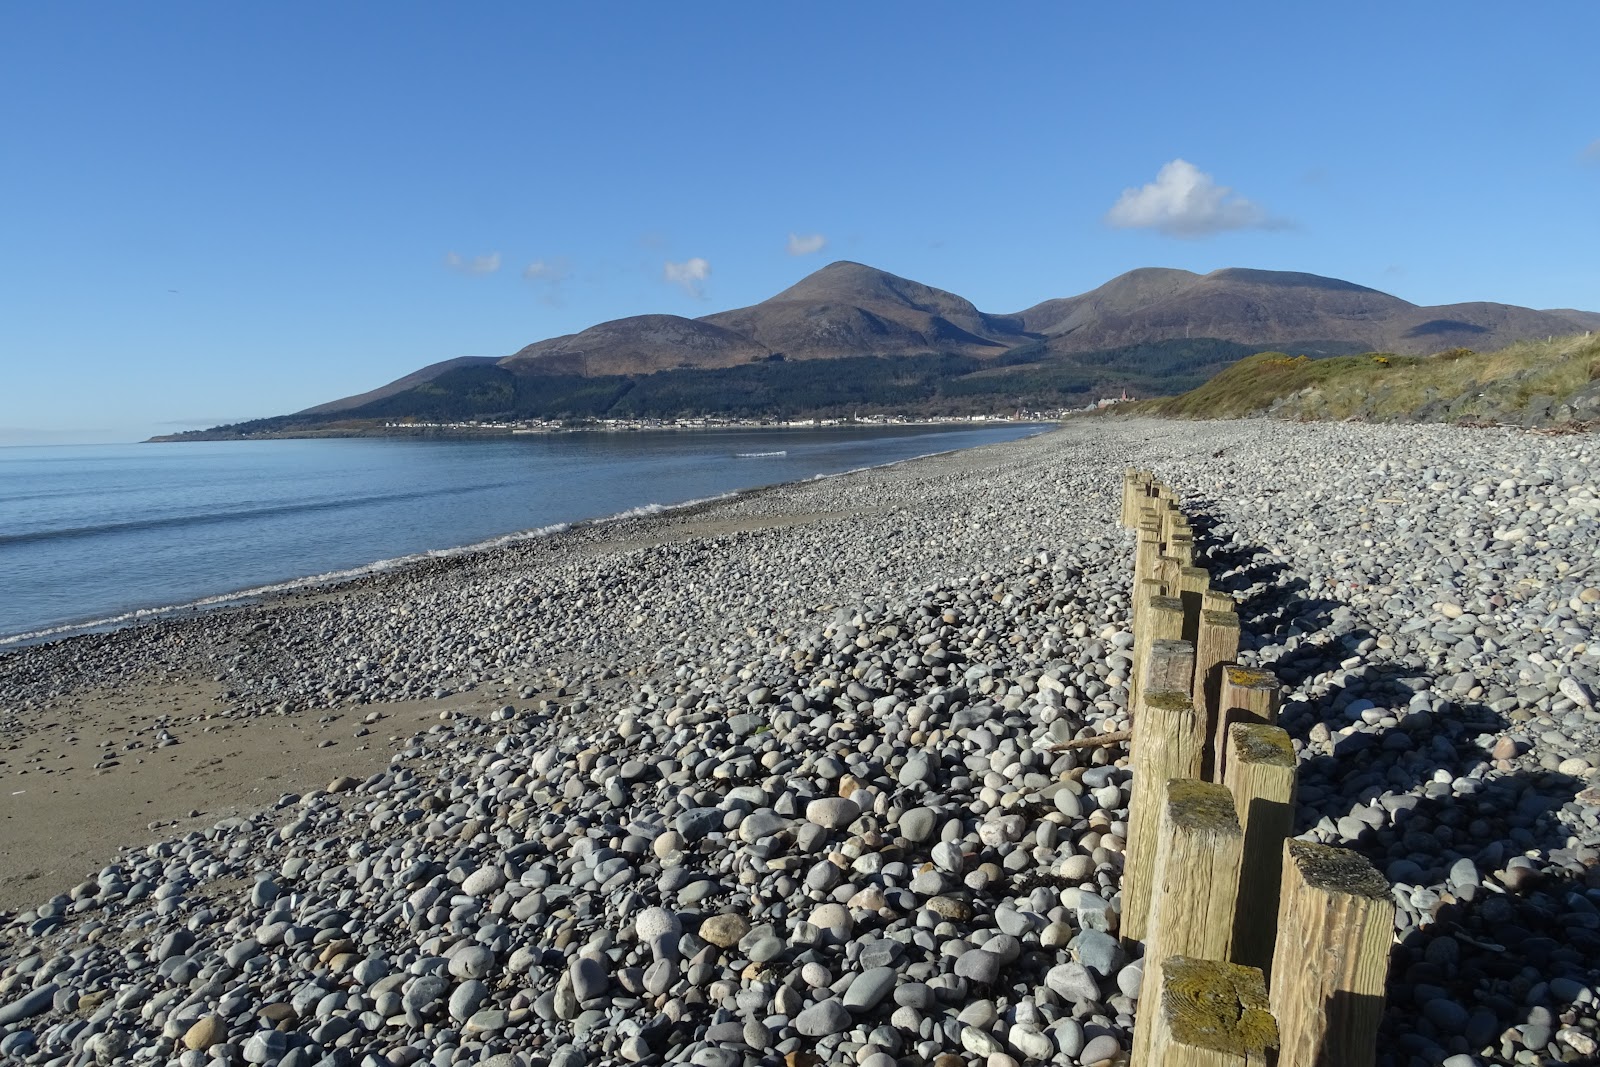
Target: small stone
x: 978, y: 966
x: 823, y: 1020
x: 589, y: 979
x: 724, y: 931
x: 919, y: 824
x: 1073, y: 982
x: 472, y: 961
x: 1104, y: 1047
x: 869, y: 988
x: 978, y: 1042
x: 206, y: 1031
x: 833, y: 813
x: 484, y: 880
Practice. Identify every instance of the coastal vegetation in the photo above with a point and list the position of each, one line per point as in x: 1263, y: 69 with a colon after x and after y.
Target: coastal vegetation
x: 1533, y: 383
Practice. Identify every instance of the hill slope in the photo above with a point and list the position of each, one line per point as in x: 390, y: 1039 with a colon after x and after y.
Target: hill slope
x: 1299, y: 311
x: 914, y: 348
x: 1533, y: 383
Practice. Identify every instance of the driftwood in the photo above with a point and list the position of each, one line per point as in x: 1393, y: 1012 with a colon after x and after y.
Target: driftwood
x: 1097, y: 741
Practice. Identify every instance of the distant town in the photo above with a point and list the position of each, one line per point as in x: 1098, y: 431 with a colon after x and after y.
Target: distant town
x: 720, y: 422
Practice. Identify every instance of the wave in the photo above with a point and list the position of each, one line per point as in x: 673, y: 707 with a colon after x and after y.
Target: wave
x: 328, y: 577
x: 222, y: 517
x: 289, y: 586
x: 646, y: 510
x: 383, y: 565
x: 759, y: 455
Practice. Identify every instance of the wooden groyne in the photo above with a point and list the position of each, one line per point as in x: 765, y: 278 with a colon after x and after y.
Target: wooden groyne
x: 1258, y: 948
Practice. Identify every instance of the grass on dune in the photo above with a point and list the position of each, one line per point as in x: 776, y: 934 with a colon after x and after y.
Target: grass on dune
x: 1381, y: 386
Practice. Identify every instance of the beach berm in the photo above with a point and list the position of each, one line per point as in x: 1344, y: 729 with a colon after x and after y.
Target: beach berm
x: 784, y: 778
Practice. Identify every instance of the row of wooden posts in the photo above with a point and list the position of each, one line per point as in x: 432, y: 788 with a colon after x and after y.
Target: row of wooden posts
x: 1258, y: 949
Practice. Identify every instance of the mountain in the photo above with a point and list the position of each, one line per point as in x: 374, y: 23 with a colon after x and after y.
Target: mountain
x: 850, y: 337
x: 1588, y: 320
x: 1281, y: 308
x: 849, y: 309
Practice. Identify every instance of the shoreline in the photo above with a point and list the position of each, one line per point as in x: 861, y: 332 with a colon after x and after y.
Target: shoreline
x: 822, y: 716
x: 468, y: 431
x: 162, y: 644
x: 287, y: 586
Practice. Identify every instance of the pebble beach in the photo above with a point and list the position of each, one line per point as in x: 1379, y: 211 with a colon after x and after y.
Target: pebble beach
x: 781, y: 778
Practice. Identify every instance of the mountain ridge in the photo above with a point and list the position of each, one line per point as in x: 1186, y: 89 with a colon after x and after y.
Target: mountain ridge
x: 850, y: 311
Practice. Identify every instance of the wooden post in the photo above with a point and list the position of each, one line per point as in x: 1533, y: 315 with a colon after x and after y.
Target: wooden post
x: 1261, y: 777
x: 1217, y: 600
x: 1246, y: 695
x: 1216, y: 643
x: 1170, y: 515
x: 1335, y: 929
x: 1169, y: 667
x: 1191, y: 588
x: 1135, y: 495
x: 1166, y: 572
x: 1196, y: 880
x: 1146, y: 554
x: 1181, y: 548
x: 1208, y: 1014
x: 1131, y: 489
x: 1161, y: 620
x: 1166, y: 744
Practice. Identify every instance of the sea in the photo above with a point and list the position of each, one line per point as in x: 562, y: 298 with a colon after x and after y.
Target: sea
x: 99, y: 536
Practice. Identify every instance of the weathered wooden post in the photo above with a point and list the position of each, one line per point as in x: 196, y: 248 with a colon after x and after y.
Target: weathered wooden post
x: 1161, y: 620
x: 1146, y: 558
x: 1207, y: 1013
x: 1181, y: 548
x: 1335, y: 928
x: 1167, y: 743
x: 1192, y: 583
x: 1216, y: 644
x: 1245, y: 695
x: 1169, y: 667
x: 1261, y: 777
x: 1196, y: 881
x: 1132, y: 489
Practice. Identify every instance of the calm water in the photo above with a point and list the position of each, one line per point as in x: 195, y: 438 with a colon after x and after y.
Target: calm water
x: 102, y: 533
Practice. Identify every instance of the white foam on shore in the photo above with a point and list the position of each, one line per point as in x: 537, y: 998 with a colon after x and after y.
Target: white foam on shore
x: 329, y: 577
x: 240, y: 596
x: 646, y: 510
x: 758, y: 455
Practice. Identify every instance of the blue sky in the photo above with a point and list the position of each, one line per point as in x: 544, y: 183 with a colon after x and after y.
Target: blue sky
x: 222, y: 211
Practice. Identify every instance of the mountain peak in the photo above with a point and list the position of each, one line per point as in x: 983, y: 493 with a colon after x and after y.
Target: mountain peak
x: 847, y: 282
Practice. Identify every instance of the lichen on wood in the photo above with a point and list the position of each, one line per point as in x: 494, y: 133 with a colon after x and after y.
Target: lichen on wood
x: 1251, y: 678
x: 1338, y: 870
x: 1256, y: 743
x: 1220, y: 1006
x: 1202, y: 806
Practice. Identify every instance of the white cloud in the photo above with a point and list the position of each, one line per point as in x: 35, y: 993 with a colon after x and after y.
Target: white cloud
x: 1185, y: 201
x: 550, y: 275
x: 690, y: 276
x: 805, y: 245
x: 546, y: 270
x: 477, y: 265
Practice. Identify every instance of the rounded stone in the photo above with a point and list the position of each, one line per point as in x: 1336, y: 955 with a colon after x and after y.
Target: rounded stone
x: 725, y: 930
